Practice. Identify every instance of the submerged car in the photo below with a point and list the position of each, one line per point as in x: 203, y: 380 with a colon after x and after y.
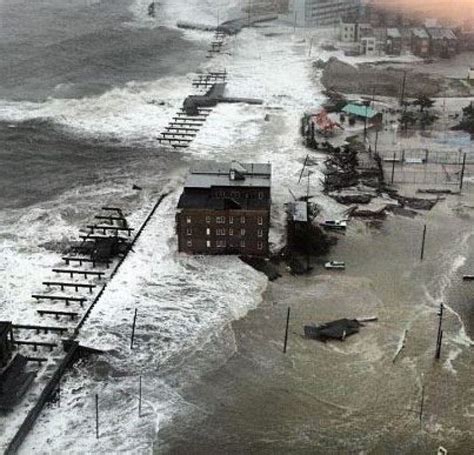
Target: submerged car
x: 334, y: 224
x: 338, y: 265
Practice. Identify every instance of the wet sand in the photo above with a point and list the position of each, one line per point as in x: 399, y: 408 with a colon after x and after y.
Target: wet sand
x: 348, y: 397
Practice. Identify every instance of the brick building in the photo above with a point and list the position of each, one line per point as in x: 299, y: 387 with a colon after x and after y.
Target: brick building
x: 225, y: 209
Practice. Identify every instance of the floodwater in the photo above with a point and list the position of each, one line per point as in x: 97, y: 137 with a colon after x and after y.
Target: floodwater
x: 351, y: 397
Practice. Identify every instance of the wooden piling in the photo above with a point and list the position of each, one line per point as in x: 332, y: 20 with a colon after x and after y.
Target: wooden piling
x: 286, y: 330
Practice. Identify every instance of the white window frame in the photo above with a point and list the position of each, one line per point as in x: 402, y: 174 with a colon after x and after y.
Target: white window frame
x: 259, y: 232
x: 242, y: 244
x: 189, y: 231
x: 259, y: 245
x: 260, y: 220
x: 242, y: 219
x: 189, y: 243
x: 188, y: 220
x: 242, y: 233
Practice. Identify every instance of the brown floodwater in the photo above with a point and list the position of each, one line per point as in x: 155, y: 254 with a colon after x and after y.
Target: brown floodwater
x: 349, y: 397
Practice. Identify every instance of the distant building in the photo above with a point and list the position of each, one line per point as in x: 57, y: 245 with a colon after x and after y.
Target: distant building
x: 348, y: 30
x: 443, y: 42
x: 363, y: 112
x: 311, y: 13
x: 393, y: 44
x: 225, y: 209
x: 420, y: 42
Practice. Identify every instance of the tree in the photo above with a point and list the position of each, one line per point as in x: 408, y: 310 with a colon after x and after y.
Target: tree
x: 424, y: 102
x: 408, y: 118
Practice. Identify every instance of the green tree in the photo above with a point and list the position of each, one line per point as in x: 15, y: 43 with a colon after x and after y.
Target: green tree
x: 424, y: 102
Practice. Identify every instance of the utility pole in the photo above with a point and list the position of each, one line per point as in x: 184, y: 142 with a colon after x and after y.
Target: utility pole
x: 422, y: 254
x: 140, y: 398
x: 393, y: 166
x: 461, y: 179
x: 439, y: 339
x: 133, y: 328
x: 376, y: 141
x: 422, y: 403
x: 97, y: 416
x: 402, y: 95
x: 286, y: 331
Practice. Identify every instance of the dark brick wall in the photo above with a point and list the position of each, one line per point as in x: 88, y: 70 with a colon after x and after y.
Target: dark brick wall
x: 223, y: 229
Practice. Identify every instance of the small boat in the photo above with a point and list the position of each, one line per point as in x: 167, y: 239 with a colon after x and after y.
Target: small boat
x: 468, y: 277
x: 337, y: 265
x: 334, y: 224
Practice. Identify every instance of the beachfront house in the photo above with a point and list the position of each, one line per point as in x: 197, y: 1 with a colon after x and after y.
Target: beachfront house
x: 363, y: 112
x: 420, y: 42
x: 225, y: 209
x: 393, y: 44
x: 443, y: 42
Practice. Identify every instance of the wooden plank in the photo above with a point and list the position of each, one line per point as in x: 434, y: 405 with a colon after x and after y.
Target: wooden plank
x: 35, y: 344
x: 40, y: 360
x: 112, y: 228
x: 80, y: 272
x: 76, y: 286
x: 66, y: 299
x: 112, y: 218
x: 181, y: 128
x: 55, y: 313
x: 179, y: 134
x: 112, y: 209
x: 39, y: 328
x: 164, y: 139
x: 190, y: 119
x: 102, y: 237
x: 69, y: 259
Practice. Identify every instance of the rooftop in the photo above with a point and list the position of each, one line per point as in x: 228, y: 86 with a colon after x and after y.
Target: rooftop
x: 393, y: 33
x: 233, y: 174
x: 360, y: 110
x: 441, y: 33
x: 419, y: 33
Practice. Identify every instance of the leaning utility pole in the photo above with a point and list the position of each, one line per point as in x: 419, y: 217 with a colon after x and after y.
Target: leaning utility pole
x: 439, y: 339
x: 402, y: 94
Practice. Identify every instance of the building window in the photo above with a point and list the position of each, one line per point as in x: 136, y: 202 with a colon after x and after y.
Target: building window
x: 242, y: 244
x: 259, y: 232
x: 208, y: 231
x: 220, y: 219
x: 260, y: 194
x: 208, y: 243
x: 220, y: 231
x: 220, y: 243
x: 188, y: 219
x: 242, y: 232
x: 231, y: 220
x: 259, y: 220
x: 208, y: 219
x: 242, y: 220
x: 231, y: 232
x: 189, y: 231
x: 260, y: 245
x: 189, y: 243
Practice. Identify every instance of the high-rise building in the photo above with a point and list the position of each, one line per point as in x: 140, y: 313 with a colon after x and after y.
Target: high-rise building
x: 310, y: 13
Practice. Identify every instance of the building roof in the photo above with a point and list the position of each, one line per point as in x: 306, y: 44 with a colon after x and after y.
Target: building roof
x: 360, y: 110
x: 441, y: 33
x: 233, y: 174
x: 393, y: 33
x: 298, y: 211
x: 419, y: 33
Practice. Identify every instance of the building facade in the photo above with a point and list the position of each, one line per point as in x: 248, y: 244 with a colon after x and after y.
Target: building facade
x: 225, y: 209
x: 420, y: 42
x: 311, y: 13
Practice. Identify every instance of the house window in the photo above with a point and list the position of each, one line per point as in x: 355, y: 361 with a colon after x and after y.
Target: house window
x: 260, y: 245
x: 231, y: 232
x: 220, y: 219
x: 259, y: 232
x: 189, y: 231
x: 188, y: 219
x: 208, y: 231
x: 231, y: 220
x: 242, y: 220
x: 259, y: 220
x: 189, y: 243
x: 242, y: 244
x: 208, y: 243
x: 208, y: 219
x: 242, y: 232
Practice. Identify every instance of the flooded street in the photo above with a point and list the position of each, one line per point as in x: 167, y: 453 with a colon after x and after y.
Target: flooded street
x: 350, y: 397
